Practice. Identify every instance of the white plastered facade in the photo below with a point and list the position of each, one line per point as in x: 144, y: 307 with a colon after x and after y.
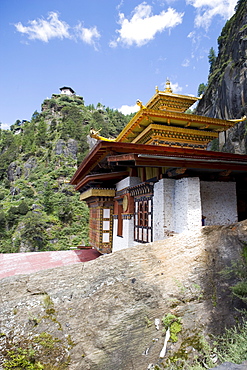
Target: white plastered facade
x: 180, y: 205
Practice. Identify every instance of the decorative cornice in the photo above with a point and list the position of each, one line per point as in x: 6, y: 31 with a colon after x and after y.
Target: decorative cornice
x: 141, y: 189
x: 97, y: 193
x: 144, y: 117
x: 157, y: 133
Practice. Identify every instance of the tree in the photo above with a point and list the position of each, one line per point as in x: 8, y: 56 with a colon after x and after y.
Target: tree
x: 34, y: 230
x: 211, y: 59
x: 65, y: 213
x: 48, y: 201
x: 2, y: 220
x: 35, y: 116
x: 201, y: 89
x: 41, y: 134
x: 238, y: 5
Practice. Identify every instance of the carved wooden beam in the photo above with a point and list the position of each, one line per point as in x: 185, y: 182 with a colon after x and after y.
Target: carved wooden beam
x: 176, y: 172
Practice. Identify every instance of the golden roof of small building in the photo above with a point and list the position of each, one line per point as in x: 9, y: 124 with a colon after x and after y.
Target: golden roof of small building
x: 167, y: 100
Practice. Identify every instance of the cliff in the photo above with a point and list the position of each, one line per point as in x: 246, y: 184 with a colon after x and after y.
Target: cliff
x: 107, y: 314
x: 39, y: 209
x: 226, y: 93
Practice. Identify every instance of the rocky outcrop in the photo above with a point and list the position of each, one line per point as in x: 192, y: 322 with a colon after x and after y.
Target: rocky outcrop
x: 66, y: 148
x: 110, y: 310
x: 231, y: 366
x: 29, y: 165
x: 14, y: 171
x: 226, y: 93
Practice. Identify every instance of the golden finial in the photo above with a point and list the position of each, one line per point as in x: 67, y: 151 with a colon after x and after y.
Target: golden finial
x: 156, y: 89
x: 168, y: 87
x: 139, y: 103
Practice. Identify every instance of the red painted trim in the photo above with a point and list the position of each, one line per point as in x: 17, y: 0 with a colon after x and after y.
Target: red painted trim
x: 103, y: 148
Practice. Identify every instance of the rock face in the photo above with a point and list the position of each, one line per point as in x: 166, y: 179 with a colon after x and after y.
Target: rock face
x: 14, y: 171
x: 230, y: 366
x: 108, y: 307
x: 226, y: 94
x: 67, y: 149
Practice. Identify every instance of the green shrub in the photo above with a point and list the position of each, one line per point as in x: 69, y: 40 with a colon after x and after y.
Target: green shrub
x: 174, y: 323
x: 2, y: 221
x: 23, y: 208
x: 21, y: 358
x: 240, y: 290
x: 232, y: 345
x: 28, y: 192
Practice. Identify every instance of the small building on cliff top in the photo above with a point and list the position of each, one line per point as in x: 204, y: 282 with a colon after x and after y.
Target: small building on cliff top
x: 157, y: 177
x: 66, y: 90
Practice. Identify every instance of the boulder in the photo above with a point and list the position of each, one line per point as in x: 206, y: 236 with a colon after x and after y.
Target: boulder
x: 14, y: 171
x: 111, y: 309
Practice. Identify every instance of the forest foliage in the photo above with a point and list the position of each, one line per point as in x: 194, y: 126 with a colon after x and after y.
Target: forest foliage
x: 39, y: 209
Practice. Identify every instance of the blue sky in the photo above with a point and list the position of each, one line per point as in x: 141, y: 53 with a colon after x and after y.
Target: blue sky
x: 109, y: 51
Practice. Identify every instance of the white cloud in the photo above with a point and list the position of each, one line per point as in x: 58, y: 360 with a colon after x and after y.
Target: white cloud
x: 143, y: 25
x: 5, y: 126
x: 207, y: 9
x: 52, y: 27
x: 44, y: 30
x: 87, y: 35
x: 191, y: 35
x: 186, y: 63
x: 176, y: 88
x: 128, y: 109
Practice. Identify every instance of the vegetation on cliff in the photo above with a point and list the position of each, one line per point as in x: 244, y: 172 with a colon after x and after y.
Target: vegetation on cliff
x: 39, y: 209
x: 225, y: 95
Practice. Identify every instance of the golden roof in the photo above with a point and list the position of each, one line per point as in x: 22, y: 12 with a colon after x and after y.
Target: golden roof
x: 163, y: 121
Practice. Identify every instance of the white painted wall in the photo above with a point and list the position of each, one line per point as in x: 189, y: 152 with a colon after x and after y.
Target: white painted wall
x: 163, y: 208
x: 219, y: 202
x: 178, y: 205
x: 127, y: 240
x: 187, y: 204
x: 66, y: 92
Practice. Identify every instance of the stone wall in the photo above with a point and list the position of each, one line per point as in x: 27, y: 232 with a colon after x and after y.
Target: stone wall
x: 219, y: 202
x: 180, y: 205
x: 177, y: 206
x: 163, y: 208
x: 187, y: 204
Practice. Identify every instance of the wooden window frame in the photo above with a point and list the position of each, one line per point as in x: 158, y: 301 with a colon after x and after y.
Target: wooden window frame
x: 143, y: 219
x: 120, y: 221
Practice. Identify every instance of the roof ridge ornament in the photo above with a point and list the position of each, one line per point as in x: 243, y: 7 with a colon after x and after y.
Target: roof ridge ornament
x: 139, y: 103
x: 95, y: 134
x: 168, y: 88
x: 238, y: 120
